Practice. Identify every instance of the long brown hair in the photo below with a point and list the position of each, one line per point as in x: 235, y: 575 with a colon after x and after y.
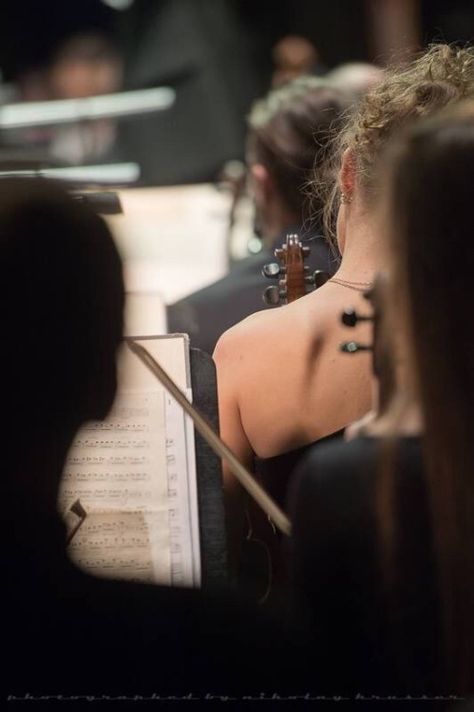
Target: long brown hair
x: 431, y: 199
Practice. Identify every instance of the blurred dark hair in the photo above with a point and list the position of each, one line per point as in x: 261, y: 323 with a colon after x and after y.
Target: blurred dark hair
x: 431, y: 227
x: 289, y: 131
x: 62, y: 307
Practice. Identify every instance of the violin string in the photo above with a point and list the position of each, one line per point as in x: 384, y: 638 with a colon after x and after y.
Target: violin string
x: 303, y: 240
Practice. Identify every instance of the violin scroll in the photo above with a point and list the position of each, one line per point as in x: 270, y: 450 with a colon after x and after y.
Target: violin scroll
x: 294, y: 280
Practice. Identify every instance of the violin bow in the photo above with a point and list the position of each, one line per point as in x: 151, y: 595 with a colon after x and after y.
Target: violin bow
x: 246, y: 479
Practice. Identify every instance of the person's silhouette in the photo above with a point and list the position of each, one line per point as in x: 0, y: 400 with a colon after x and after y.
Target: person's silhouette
x: 67, y: 632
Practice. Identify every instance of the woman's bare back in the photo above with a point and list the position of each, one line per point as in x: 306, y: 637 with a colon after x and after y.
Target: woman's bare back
x: 282, y: 379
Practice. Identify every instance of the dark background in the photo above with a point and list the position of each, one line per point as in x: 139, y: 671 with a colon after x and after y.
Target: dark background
x: 216, y: 53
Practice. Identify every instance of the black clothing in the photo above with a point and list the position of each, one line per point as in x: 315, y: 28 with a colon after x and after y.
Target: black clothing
x: 70, y: 633
x: 197, y: 47
x: 275, y: 472
x: 365, y: 641
x: 206, y: 314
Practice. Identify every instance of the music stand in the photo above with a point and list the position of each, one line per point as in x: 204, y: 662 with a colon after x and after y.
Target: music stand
x: 32, y: 114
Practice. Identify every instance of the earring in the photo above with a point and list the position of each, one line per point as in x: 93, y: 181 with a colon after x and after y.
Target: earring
x: 346, y: 198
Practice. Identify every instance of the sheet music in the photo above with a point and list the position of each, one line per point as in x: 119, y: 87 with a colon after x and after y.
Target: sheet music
x: 131, y: 473
x: 123, y: 545
x: 192, y: 493
x: 185, y: 552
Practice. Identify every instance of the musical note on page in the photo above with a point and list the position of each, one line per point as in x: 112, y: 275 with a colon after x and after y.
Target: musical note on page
x: 119, y: 470
x: 121, y: 547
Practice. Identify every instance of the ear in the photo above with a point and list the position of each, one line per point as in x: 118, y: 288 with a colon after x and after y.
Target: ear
x: 263, y: 184
x: 347, y: 174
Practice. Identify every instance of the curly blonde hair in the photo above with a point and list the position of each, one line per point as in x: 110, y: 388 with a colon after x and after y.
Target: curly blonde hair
x: 441, y: 75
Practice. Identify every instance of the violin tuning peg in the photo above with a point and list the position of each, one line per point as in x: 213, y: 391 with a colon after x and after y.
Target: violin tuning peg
x: 350, y: 317
x: 352, y: 347
x: 317, y: 278
x: 305, y: 251
x: 272, y: 269
x: 273, y: 295
x: 278, y: 253
x: 320, y: 277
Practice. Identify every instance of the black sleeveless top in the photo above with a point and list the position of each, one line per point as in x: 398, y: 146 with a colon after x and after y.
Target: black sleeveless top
x: 275, y: 472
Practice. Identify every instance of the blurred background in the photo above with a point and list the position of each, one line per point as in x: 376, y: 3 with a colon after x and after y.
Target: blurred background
x: 218, y: 55
x: 185, y: 221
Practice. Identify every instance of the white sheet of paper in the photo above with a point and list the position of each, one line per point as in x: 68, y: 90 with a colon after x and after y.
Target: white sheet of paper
x: 135, y: 476
x: 145, y: 314
x: 172, y: 239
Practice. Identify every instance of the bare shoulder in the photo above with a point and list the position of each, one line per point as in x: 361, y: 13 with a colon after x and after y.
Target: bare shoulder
x: 260, y: 333
x: 290, y: 358
x: 234, y: 343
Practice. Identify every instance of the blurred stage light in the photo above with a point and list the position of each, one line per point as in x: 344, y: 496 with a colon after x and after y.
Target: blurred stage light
x: 118, y: 4
x: 104, y: 174
x: 41, y: 113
